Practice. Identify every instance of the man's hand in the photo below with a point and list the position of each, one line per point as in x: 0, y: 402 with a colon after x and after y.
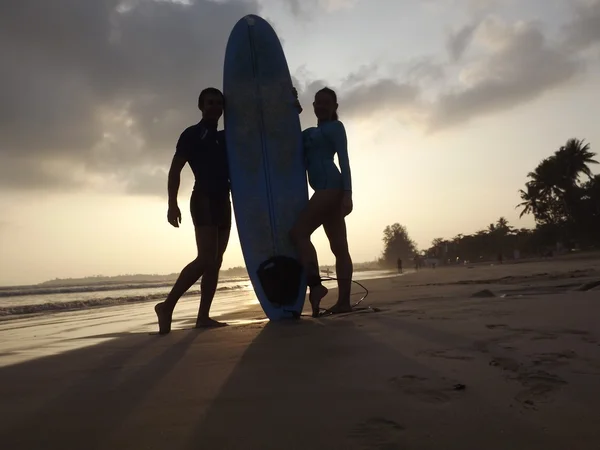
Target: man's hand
x: 347, y: 205
x: 297, y: 102
x: 174, y: 215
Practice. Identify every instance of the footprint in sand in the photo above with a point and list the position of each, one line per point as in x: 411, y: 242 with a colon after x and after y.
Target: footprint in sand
x: 422, y: 388
x: 379, y: 432
x: 496, y: 314
x: 447, y: 354
x: 409, y: 312
x: 539, y: 385
x: 555, y: 334
x: 536, y: 335
x: 544, y: 337
x: 589, y: 340
x: 575, y: 332
x: 506, y: 364
x: 440, y: 318
x: 554, y: 358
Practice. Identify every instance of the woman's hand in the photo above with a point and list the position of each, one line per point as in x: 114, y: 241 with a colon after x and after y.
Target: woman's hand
x: 297, y: 102
x: 347, y: 205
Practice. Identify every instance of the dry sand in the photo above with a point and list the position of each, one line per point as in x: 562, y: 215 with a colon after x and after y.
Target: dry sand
x: 433, y: 366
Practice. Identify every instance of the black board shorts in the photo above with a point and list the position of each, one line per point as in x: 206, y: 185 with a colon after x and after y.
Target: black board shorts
x: 210, y: 209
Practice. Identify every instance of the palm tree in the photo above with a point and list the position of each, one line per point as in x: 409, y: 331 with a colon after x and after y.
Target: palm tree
x: 574, y: 159
x: 503, y: 226
x: 530, y: 199
x: 547, y: 178
x: 552, y: 185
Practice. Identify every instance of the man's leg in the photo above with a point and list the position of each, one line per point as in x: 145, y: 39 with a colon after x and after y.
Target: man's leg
x: 208, y: 285
x: 207, y: 245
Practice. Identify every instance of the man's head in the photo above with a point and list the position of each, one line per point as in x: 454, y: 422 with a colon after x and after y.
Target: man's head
x: 210, y: 102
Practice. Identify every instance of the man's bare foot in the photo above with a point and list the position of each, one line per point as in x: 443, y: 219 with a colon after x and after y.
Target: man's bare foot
x: 316, y: 295
x: 209, y: 323
x: 340, y: 308
x: 164, y: 318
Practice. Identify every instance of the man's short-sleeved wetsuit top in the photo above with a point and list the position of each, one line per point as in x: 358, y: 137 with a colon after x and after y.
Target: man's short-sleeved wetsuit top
x: 204, y: 149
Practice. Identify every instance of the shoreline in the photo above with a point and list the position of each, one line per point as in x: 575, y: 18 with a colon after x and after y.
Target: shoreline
x: 49, y: 308
x: 163, y: 280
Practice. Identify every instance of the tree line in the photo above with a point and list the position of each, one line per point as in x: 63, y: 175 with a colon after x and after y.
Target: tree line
x: 561, y: 193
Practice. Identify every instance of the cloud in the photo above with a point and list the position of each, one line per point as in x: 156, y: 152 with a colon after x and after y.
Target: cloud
x: 96, y: 93
x: 101, y: 85
x: 511, y: 64
x: 306, y: 8
x: 364, y: 95
x: 150, y: 181
x: 519, y: 64
x: 583, y: 31
x: 459, y: 41
x: 471, y: 6
x: 382, y: 95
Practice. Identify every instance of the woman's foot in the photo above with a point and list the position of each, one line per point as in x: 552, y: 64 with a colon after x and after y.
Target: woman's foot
x: 164, y: 318
x: 340, y: 308
x: 316, y: 295
x: 209, y: 323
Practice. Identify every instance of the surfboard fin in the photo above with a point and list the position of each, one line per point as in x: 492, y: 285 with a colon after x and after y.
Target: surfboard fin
x: 280, y: 277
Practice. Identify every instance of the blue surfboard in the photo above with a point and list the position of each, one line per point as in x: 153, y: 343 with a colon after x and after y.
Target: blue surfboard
x: 266, y: 163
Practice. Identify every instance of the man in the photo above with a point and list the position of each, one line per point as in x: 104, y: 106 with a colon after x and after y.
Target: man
x: 203, y: 148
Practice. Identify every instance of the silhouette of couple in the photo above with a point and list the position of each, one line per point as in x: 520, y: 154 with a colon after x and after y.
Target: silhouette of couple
x: 204, y: 149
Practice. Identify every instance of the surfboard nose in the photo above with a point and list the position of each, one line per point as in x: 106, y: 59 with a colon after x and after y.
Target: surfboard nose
x: 255, y: 21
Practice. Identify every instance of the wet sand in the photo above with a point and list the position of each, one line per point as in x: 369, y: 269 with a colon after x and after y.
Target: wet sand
x: 492, y: 357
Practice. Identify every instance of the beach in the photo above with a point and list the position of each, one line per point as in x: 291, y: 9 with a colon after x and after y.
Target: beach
x: 470, y: 357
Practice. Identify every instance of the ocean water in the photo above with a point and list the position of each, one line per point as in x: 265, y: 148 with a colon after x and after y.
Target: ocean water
x: 236, y: 293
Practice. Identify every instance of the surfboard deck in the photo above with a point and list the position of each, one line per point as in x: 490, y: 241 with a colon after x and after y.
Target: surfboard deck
x: 264, y: 147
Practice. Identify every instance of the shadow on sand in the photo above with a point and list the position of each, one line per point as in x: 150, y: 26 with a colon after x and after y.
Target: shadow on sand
x: 332, y: 383
x: 75, y: 399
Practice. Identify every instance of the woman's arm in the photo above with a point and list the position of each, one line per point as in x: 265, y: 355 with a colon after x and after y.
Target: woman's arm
x: 337, y: 135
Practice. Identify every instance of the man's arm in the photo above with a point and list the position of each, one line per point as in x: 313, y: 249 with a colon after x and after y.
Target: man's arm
x: 179, y: 159
x: 174, y: 179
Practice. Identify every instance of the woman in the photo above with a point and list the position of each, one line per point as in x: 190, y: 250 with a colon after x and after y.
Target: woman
x: 331, y: 202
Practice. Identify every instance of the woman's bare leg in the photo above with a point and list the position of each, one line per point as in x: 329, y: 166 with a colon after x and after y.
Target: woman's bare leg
x: 335, y: 229
x: 308, y: 221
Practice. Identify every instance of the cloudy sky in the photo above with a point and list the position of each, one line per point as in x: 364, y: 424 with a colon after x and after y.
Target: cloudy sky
x: 447, y: 104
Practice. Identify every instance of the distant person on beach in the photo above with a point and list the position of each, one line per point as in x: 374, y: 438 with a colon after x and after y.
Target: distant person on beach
x: 399, y: 262
x: 203, y: 148
x: 330, y: 203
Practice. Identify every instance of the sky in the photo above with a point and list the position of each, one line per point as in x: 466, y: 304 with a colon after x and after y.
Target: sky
x: 448, y: 104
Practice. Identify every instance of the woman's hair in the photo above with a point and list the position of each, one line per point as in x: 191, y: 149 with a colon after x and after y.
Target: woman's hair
x: 333, y: 95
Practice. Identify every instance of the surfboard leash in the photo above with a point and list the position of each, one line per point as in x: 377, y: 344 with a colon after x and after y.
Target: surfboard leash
x: 297, y: 315
x: 353, y: 281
